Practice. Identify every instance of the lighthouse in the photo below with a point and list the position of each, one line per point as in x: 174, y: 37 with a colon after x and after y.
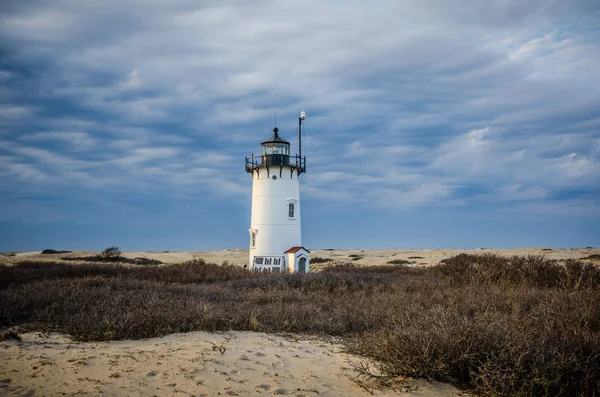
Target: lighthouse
x: 275, y: 228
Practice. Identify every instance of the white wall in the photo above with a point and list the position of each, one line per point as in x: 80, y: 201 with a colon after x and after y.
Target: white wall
x: 291, y: 262
x: 276, y: 232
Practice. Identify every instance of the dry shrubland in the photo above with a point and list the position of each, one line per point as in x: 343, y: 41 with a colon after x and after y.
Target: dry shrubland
x: 500, y: 326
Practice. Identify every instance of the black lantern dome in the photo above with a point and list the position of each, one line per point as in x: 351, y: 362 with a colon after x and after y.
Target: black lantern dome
x: 275, y: 151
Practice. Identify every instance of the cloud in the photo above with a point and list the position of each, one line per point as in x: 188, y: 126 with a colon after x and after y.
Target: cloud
x: 13, y: 112
x: 77, y: 140
x: 413, y: 103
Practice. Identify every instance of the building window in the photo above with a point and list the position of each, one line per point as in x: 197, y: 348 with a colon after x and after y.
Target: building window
x: 253, y: 240
x: 291, y: 210
x: 258, y: 260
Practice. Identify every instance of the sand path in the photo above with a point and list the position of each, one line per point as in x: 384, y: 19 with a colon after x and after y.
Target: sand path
x: 188, y: 364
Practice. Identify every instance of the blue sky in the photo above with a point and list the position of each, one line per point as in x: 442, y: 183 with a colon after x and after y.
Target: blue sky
x: 430, y: 124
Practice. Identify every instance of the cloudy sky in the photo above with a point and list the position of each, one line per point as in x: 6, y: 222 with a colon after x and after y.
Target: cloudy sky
x: 430, y: 123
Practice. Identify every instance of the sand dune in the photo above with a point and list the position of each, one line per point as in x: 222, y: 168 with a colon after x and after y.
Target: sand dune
x: 192, y: 364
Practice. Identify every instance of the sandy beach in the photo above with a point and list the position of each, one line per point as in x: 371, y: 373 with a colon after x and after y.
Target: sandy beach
x: 191, y: 364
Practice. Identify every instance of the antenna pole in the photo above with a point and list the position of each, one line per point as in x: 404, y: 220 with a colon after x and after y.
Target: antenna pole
x: 301, y: 117
x: 300, y: 140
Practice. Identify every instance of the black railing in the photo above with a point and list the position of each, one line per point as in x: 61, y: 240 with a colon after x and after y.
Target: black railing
x: 276, y: 160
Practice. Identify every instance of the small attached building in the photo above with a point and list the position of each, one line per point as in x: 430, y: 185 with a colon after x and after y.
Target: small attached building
x: 298, y: 259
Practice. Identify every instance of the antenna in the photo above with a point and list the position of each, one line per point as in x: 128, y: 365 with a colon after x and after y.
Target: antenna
x: 275, y: 120
x: 300, y: 118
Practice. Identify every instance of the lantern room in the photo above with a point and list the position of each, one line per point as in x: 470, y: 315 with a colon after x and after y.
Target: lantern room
x: 275, y: 151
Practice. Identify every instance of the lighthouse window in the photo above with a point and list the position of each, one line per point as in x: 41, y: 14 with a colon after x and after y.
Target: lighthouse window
x: 253, y: 239
x: 291, y: 210
x: 258, y: 260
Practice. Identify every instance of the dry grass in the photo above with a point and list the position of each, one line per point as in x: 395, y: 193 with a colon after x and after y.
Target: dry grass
x: 501, y: 326
x: 318, y: 259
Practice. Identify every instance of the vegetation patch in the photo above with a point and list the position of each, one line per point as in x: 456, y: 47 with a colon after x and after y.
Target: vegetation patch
x: 593, y: 257
x: 118, y: 259
x: 10, y: 334
x: 318, y: 259
x: 113, y: 255
x: 51, y: 251
x: 519, y: 326
x: 399, y: 262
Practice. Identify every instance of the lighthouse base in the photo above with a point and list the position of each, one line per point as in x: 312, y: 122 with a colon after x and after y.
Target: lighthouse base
x: 294, y: 260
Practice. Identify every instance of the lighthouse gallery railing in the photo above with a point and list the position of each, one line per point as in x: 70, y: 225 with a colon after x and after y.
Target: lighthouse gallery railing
x: 276, y: 160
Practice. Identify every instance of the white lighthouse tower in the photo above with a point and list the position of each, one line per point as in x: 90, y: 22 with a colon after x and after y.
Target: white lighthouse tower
x: 275, y: 231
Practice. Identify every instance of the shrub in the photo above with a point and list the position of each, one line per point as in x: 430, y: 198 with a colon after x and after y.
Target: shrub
x: 317, y: 259
x: 113, y: 259
x: 515, y: 342
x: 146, y: 261
x: 110, y: 253
x: 379, y: 270
x: 399, y: 262
x: 10, y: 334
x: 532, y: 270
x: 194, y: 271
x: 51, y: 251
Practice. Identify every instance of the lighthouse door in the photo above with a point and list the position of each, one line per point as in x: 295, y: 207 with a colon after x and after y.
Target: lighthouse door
x: 302, y: 265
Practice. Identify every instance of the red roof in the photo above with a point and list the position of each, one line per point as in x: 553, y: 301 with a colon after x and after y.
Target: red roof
x: 295, y: 249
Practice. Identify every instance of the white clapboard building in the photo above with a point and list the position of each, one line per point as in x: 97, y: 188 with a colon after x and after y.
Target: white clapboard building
x: 275, y: 228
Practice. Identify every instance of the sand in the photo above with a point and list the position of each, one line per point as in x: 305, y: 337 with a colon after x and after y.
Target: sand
x: 191, y: 364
